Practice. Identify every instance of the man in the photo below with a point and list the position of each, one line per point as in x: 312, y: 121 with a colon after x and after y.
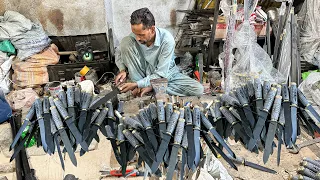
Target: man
x: 148, y: 53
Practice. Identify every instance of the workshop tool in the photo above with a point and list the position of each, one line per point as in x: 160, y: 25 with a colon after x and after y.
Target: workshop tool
x: 117, y: 173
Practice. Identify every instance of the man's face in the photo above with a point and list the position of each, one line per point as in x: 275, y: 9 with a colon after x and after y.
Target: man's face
x: 144, y: 36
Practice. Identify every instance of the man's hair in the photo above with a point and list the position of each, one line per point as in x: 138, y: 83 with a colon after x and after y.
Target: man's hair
x: 143, y: 16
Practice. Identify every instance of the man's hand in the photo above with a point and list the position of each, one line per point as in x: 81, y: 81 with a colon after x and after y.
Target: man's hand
x: 125, y: 87
x: 121, y: 77
x: 145, y: 90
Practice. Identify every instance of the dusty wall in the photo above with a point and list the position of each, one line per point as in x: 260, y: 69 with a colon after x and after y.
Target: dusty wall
x: 163, y: 11
x: 62, y: 17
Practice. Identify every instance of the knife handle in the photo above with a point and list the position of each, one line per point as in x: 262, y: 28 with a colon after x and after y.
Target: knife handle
x: 234, y: 112
x: 120, y: 135
x: 31, y: 112
x: 46, y: 104
x: 306, y: 172
x: 87, y: 100
x: 278, y: 86
x: 144, y: 119
x: 153, y: 111
x: 269, y: 99
x: 51, y: 101
x: 63, y: 97
x: 241, y: 96
x: 133, y: 141
x: 138, y: 136
x: 310, y: 166
x: 52, y: 126
x: 276, y: 108
x: 38, y: 106
x: 56, y: 117
x: 133, y: 123
x: 184, y: 143
x: 302, y: 98
x: 257, y: 88
x: 285, y: 92
x: 188, y: 114
x: 109, y: 132
x: 217, y: 112
x: 230, y: 100
x: 281, y: 117
x: 102, y: 116
x: 160, y: 111
x: 61, y: 108
x: 196, y: 117
x: 118, y: 114
x: 110, y: 107
x: 234, y: 94
x: 168, y: 110
x: 95, y: 114
x: 205, y: 121
x: 266, y: 88
x: 227, y: 114
x: 70, y: 96
x: 77, y: 94
x: 181, y: 110
x: 120, y: 106
x: 141, y: 104
x: 173, y: 121
x: 250, y: 88
x: 293, y: 94
x: 311, y: 161
x: 179, y: 131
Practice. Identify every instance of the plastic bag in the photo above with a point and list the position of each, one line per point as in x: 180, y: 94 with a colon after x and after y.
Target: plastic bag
x: 7, y: 47
x: 250, y: 59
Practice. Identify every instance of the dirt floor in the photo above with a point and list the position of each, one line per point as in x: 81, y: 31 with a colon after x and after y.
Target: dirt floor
x: 102, y: 158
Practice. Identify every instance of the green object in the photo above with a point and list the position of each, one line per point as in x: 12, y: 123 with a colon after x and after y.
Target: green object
x: 306, y: 74
x: 32, y: 141
x: 7, y: 47
x: 87, y: 56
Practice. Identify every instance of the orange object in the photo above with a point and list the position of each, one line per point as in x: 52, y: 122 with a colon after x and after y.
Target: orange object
x: 197, y: 74
x: 84, y: 70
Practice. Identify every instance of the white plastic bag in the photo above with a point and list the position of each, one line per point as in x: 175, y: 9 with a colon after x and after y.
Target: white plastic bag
x: 4, y: 75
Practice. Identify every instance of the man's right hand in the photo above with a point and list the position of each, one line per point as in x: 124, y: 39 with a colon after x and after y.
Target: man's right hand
x: 121, y: 77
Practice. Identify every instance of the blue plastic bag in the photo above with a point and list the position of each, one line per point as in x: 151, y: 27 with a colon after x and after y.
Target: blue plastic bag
x: 5, y: 109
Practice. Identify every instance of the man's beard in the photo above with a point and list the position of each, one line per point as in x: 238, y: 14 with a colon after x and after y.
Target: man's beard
x: 143, y: 42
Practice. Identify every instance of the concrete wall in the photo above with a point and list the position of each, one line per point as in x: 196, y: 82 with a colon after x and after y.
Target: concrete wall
x: 61, y: 17
x: 163, y: 11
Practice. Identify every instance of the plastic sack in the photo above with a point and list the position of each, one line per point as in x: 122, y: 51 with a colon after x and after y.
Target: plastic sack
x: 213, y: 169
x: 250, y: 59
x: 311, y: 88
x: 309, y: 24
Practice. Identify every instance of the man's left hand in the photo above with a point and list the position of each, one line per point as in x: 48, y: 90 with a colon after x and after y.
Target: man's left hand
x: 125, y: 87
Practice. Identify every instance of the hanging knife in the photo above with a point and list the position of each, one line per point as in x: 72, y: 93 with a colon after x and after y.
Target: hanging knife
x: 70, y: 123
x: 47, y: 124
x: 197, y: 128
x: 63, y: 134
x: 86, y: 99
x: 281, y: 126
x: 287, y: 115
x: 148, y: 128
x: 245, y: 106
x: 272, y: 128
x: 39, y: 113
x: 213, y: 131
x: 166, y: 137
x: 190, y: 135
x: 308, y: 106
x: 184, y: 146
x: 258, y: 96
x: 262, y: 118
x: 176, y: 146
x: 294, y: 105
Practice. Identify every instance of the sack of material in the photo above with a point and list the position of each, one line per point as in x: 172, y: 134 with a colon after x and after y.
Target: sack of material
x: 33, y: 72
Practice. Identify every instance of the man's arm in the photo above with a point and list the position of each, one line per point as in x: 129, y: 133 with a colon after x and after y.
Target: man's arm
x: 163, y: 67
x: 118, y: 60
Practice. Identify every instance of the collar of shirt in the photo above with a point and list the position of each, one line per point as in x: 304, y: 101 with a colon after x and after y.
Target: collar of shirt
x: 157, y: 40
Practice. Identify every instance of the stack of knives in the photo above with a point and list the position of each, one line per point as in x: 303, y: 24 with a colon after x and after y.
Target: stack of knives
x: 258, y: 112
x: 309, y: 170
x: 70, y: 118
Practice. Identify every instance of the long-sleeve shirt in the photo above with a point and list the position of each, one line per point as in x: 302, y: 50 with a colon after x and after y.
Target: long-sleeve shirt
x: 158, y: 59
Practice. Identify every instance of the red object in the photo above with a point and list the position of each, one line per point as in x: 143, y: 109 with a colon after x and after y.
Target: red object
x: 119, y: 174
x: 82, y: 78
